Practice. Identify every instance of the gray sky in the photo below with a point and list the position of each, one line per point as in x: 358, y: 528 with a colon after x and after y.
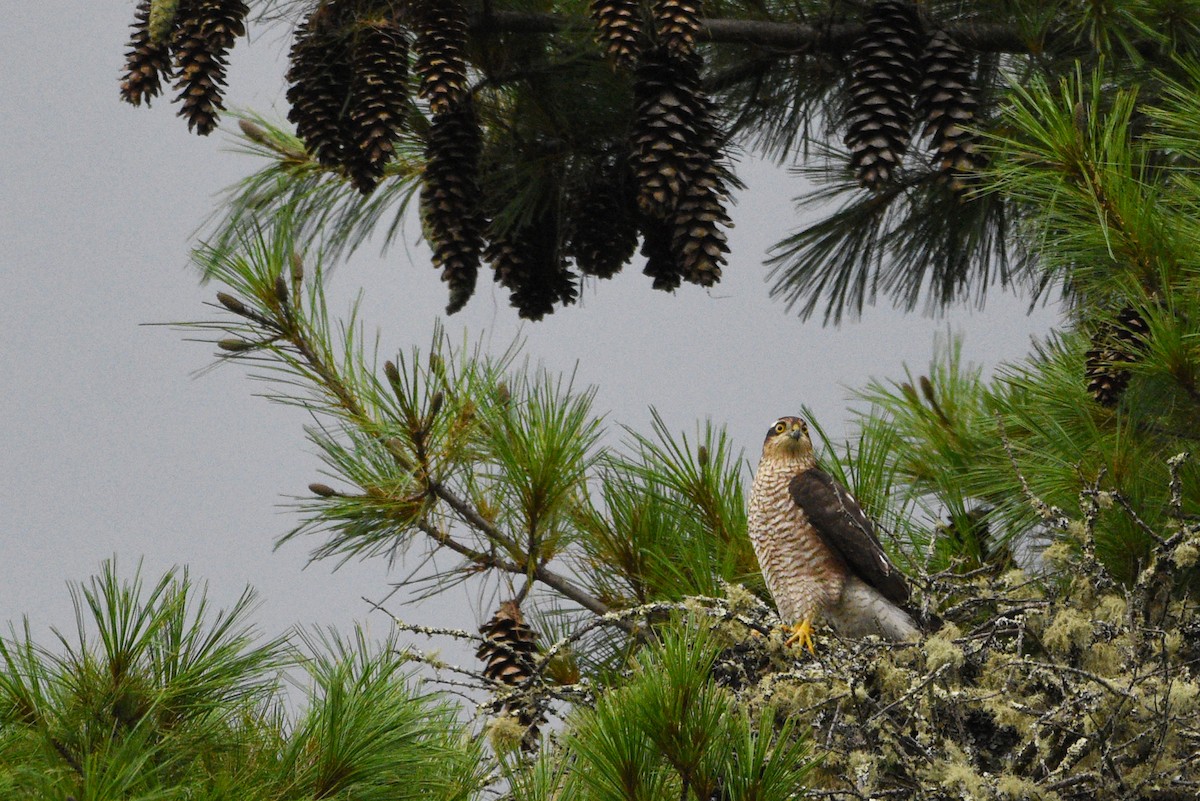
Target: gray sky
x: 110, y: 445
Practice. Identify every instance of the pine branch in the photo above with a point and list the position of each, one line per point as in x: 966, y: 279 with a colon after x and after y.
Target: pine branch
x: 791, y: 36
x: 287, y: 327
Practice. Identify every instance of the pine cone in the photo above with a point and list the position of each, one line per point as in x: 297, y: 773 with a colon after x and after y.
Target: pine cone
x: 319, y: 84
x: 619, y: 29
x: 883, y: 75
x: 697, y: 243
x: 450, y: 201
x: 222, y: 21
x: 509, y: 656
x: 947, y: 101
x: 205, y: 30
x: 378, y: 99
x: 603, y: 222
x: 147, y: 63
x: 1113, y: 345
x: 441, y: 39
x: 677, y: 24
x: 529, y: 262
x: 669, y: 122
x: 661, y: 264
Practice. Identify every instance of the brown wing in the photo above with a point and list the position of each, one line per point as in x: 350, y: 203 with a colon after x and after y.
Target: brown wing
x: 845, y: 528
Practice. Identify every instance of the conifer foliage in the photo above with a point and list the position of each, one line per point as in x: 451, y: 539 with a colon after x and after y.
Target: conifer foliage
x: 559, y: 90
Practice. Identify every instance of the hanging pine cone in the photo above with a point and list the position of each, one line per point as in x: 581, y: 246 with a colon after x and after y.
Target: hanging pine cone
x: 677, y: 25
x: 697, y: 242
x: 947, y: 101
x: 378, y: 100
x: 661, y: 264
x: 883, y: 76
x: 603, y: 222
x: 509, y: 654
x: 1113, y: 345
x: 147, y: 63
x: 222, y: 22
x: 669, y: 121
x: 450, y: 201
x: 619, y: 29
x: 319, y: 83
x: 441, y: 39
x: 205, y: 31
x: 529, y: 262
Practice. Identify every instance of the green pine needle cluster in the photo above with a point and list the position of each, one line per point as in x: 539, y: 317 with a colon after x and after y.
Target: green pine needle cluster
x: 671, y: 732
x: 156, y: 696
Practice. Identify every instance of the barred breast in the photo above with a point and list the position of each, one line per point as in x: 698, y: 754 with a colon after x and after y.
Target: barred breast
x: 803, y: 575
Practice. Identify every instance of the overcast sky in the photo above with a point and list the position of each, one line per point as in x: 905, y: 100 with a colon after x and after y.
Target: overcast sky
x: 109, y: 442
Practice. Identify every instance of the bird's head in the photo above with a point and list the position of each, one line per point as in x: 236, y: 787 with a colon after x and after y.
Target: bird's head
x: 788, y: 439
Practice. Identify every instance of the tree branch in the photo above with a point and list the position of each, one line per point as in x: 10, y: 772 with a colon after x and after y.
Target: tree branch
x: 789, y: 36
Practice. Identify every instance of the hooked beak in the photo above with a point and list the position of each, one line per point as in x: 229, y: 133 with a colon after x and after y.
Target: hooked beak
x: 796, y: 433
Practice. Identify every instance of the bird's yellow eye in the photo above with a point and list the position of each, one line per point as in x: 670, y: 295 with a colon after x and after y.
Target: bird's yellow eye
x: 780, y: 427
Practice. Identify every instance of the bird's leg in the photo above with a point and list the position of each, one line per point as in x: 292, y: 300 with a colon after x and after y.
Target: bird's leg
x: 801, y: 634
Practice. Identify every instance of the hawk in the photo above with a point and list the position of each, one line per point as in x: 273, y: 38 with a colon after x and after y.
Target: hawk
x: 817, y: 549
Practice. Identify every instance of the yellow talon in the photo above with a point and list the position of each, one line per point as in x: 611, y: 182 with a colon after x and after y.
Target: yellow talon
x: 801, y: 634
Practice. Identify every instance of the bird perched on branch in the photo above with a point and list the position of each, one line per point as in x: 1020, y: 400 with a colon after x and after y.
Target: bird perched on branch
x: 817, y: 548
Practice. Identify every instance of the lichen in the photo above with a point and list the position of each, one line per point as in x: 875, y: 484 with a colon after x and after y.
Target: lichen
x: 941, y: 651
x: 1185, y: 555
x: 1069, y: 630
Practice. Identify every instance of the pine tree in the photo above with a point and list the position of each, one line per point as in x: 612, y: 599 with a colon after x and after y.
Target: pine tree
x: 660, y: 650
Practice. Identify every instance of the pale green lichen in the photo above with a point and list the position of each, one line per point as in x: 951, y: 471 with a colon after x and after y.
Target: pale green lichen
x: 940, y: 652
x: 1182, y: 695
x: 1069, y: 629
x: 1186, y: 555
x: 1058, y: 554
x: 1110, y: 608
x: 505, y: 734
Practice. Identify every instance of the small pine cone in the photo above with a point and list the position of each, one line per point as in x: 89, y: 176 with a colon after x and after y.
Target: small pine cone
x: 161, y: 23
x: 319, y: 84
x: 147, y: 63
x: 509, y: 654
x: 378, y: 99
x: 1113, y: 345
x: 441, y: 40
x: 529, y: 262
x: 947, y: 102
x: 603, y: 222
x: 883, y: 74
x: 661, y: 264
x: 619, y: 29
x: 450, y: 201
x: 669, y: 121
x: 677, y: 24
